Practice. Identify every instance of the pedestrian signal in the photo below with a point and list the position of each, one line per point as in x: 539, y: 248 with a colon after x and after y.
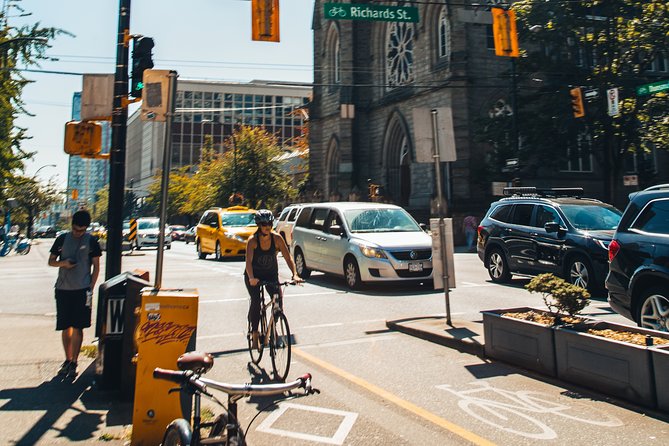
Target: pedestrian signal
x: 75, y: 194
x: 505, y: 33
x: 577, y: 102
x: 83, y: 138
x: 155, y: 95
x: 265, y: 20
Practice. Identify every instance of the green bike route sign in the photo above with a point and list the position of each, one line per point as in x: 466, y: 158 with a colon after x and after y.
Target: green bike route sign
x: 655, y: 87
x: 352, y: 11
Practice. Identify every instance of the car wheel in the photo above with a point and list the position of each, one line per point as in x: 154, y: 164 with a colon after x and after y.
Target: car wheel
x: 498, y: 267
x: 217, y: 255
x: 352, y: 273
x: 200, y: 254
x: 580, y: 273
x: 301, y: 265
x: 137, y: 247
x: 168, y: 246
x: 654, y: 309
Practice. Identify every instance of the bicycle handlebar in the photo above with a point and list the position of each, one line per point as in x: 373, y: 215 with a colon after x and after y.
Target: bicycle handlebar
x: 185, y: 378
x: 272, y: 283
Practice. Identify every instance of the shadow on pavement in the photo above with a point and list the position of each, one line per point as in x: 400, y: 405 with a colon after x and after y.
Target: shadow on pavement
x: 385, y: 289
x: 58, y: 396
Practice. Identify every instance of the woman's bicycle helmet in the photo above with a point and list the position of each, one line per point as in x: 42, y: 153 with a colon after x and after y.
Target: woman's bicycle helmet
x: 264, y: 216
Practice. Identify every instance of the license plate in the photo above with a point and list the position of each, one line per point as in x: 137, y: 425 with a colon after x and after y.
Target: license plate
x: 413, y: 267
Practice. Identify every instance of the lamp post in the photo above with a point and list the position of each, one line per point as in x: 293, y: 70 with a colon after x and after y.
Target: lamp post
x: 31, y: 202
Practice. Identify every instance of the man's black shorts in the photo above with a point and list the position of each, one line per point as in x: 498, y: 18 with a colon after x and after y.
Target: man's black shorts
x: 71, y: 309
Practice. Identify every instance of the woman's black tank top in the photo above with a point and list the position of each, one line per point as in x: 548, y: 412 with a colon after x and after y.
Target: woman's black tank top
x: 265, y: 264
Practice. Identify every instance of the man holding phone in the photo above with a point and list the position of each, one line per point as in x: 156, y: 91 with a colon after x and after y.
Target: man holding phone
x: 74, y: 253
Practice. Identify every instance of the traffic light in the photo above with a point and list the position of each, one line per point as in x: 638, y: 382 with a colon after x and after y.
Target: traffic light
x: 265, y: 20
x: 141, y: 60
x: 505, y: 32
x: 83, y: 138
x: 577, y: 102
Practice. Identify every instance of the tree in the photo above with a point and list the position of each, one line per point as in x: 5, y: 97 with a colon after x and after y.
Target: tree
x: 24, y: 46
x: 596, y: 45
x: 32, y: 198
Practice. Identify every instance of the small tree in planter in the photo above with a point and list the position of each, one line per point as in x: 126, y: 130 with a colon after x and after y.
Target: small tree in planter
x: 560, y: 296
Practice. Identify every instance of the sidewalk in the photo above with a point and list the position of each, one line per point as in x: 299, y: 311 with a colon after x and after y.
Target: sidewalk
x: 464, y: 336
x: 38, y: 408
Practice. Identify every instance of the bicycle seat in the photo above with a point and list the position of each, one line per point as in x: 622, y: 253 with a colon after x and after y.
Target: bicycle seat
x: 198, y: 362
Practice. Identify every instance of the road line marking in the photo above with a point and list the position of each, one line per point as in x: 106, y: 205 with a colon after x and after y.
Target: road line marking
x: 226, y: 335
x: 322, y: 293
x: 336, y: 324
x: 404, y: 404
x: 224, y: 300
x: 384, y: 337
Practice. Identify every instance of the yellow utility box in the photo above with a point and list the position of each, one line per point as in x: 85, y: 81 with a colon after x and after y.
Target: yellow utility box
x: 166, y: 329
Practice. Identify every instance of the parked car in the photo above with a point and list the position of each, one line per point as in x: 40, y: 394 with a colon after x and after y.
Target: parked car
x: 189, y: 235
x: 44, y: 232
x: 534, y: 231
x: 363, y: 242
x: 148, y: 230
x: 225, y: 231
x: 177, y: 232
x: 638, y: 279
x: 285, y: 222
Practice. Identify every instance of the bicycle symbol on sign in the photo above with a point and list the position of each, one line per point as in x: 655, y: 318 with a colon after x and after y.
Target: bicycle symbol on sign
x: 513, y: 414
x: 337, y: 11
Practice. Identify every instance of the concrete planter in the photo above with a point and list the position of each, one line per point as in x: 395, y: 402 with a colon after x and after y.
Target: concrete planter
x: 524, y: 343
x: 606, y: 365
x: 660, y: 357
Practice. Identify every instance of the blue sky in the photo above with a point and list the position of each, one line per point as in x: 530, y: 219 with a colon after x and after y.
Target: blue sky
x: 201, y: 39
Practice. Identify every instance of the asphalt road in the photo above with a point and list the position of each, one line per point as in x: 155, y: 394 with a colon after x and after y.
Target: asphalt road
x: 377, y: 386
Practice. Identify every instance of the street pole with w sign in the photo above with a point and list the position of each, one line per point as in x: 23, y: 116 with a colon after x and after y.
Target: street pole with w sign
x: 353, y: 11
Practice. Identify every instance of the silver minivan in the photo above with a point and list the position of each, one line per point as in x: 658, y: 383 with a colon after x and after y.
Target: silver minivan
x: 363, y: 242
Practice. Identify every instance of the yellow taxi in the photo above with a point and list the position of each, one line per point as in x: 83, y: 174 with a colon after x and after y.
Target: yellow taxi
x: 225, y: 231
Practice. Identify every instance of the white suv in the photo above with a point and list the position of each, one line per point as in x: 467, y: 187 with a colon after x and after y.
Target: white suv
x: 363, y: 242
x: 286, y: 221
x: 147, y: 233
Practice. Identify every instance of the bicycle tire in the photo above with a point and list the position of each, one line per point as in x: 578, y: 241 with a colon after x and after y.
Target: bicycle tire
x: 497, y: 410
x: 178, y: 433
x: 280, y: 346
x: 256, y: 354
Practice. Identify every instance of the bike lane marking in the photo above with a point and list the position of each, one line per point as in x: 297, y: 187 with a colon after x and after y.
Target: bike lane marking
x: 404, y: 404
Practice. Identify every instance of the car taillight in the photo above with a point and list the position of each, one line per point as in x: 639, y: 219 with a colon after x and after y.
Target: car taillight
x: 614, y: 248
x: 479, y: 229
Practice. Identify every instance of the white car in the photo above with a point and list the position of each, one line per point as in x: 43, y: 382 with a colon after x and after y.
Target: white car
x: 363, y: 242
x: 148, y: 229
x: 284, y: 224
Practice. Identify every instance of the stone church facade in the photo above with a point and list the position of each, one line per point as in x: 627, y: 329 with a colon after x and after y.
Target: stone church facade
x: 368, y: 78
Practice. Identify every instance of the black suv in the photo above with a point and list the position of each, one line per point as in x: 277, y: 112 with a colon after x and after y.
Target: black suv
x: 535, y: 231
x: 638, y: 280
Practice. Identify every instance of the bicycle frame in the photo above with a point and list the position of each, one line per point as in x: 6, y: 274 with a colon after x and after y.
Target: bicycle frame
x: 275, y: 303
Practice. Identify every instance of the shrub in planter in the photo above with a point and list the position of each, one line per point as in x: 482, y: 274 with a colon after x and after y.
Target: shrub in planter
x: 560, y: 297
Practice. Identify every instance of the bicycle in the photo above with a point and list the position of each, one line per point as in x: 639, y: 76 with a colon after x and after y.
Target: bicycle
x: 225, y: 429
x: 19, y: 244
x: 337, y: 11
x: 274, y: 331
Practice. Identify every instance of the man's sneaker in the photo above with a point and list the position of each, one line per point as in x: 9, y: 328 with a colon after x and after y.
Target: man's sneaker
x: 64, y: 368
x: 72, y: 370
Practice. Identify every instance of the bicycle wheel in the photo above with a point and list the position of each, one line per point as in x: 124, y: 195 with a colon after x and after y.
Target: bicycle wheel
x: 279, y: 344
x: 256, y: 353
x: 178, y: 433
x: 507, y: 419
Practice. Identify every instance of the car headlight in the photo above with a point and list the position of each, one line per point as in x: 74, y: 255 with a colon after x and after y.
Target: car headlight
x: 604, y: 244
x: 374, y: 253
x: 235, y: 237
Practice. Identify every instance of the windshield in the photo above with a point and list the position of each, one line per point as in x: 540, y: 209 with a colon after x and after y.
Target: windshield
x: 177, y: 228
x: 148, y: 224
x: 380, y: 220
x: 237, y: 219
x: 592, y: 217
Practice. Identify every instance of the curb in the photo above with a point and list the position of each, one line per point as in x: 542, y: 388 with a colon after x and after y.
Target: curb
x: 464, y: 336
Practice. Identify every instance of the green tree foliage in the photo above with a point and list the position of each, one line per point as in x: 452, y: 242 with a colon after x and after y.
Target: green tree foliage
x: 595, y: 45
x: 99, y: 211
x: 32, y: 198
x: 19, y: 47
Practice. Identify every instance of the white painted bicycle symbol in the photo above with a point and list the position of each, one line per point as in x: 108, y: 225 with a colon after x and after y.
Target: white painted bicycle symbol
x: 514, y: 413
x: 337, y: 11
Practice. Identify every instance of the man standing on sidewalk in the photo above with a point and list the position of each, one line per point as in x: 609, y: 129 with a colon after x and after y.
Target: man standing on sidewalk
x: 74, y: 253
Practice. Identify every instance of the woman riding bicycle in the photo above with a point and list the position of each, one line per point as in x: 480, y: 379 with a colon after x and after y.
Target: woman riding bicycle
x: 262, y: 265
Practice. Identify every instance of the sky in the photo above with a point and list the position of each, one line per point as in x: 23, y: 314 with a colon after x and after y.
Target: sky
x: 200, y: 39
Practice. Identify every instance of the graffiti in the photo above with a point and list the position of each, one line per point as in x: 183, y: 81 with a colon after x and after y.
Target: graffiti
x: 162, y: 333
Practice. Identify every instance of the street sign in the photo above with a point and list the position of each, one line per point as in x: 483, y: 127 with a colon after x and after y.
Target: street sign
x: 424, y: 135
x: 630, y: 180
x: 612, y: 101
x: 655, y: 87
x: 590, y: 94
x: 353, y: 11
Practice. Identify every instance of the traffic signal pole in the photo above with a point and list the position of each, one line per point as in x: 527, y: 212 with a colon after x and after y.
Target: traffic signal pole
x: 118, y: 140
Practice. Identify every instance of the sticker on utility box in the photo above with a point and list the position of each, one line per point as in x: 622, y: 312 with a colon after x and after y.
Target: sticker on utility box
x: 154, y: 306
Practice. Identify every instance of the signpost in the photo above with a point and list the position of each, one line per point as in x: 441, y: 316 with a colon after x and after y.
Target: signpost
x: 655, y: 87
x: 353, y: 11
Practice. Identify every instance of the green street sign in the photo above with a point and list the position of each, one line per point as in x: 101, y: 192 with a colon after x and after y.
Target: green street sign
x: 353, y: 11
x: 655, y: 87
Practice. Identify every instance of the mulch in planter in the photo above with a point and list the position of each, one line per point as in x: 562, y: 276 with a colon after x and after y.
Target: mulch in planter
x: 544, y: 318
x: 628, y: 336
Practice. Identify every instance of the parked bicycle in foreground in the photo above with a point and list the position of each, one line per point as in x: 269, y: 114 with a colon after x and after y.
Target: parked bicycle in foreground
x: 225, y: 429
x: 274, y: 330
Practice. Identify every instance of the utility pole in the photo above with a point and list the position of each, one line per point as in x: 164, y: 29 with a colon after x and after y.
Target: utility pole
x: 117, y: 158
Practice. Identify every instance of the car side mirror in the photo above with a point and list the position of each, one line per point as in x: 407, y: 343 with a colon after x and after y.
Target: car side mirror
x: 336, y: 230
x: 553, y: 226
x: 424, y: 227
x: 213, y: 224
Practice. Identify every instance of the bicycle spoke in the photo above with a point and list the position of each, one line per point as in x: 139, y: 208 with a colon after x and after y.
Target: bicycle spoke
x: 280, y: 347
